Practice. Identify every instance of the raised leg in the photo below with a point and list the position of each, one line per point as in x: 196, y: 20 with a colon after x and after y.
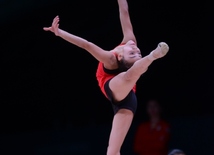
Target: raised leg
x: 121, y: 84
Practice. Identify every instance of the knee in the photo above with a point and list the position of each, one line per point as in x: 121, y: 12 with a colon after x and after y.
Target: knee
x: 135, y: 73
x: 112, y: 151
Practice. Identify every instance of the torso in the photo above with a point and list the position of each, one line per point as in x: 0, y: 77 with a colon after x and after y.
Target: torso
x: 104, y: 74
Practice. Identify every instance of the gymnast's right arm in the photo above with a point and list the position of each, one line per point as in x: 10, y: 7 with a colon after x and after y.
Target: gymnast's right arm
x: 100, y: 54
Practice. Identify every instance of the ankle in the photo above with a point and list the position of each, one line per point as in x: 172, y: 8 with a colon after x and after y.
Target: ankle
x: 152, y: 56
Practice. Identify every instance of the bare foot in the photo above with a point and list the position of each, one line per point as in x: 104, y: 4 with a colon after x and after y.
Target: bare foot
x: 160, y: 51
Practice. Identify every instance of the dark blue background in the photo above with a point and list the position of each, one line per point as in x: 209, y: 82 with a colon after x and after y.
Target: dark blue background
x: 50, y: 99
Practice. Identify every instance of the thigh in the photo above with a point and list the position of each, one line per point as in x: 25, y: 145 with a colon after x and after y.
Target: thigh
x: 129, y: 102
x: 121, y: 123
x: 121, y: 86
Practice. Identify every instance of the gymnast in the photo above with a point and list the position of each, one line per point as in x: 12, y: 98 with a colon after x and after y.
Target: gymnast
x: 117, y: 73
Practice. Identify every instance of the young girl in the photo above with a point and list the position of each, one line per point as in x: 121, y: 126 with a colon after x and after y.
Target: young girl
x: 117, y: 73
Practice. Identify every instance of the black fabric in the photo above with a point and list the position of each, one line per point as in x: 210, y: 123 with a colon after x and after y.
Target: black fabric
x: 129, y: 102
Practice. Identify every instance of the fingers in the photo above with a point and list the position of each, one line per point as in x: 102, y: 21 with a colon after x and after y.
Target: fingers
x: 47, y: 28
x: 54, y: 27
x: 55, y: 24
x: 56, y: 20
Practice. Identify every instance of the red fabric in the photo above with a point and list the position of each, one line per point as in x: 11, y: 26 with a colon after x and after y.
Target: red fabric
x: 102, y: 77
x: 152, y: 141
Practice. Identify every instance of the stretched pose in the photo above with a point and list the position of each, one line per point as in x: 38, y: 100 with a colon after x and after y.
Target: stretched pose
x: 117, y: 73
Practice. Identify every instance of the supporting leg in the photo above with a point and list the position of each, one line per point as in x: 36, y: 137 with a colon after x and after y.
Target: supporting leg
x: 121, y: 123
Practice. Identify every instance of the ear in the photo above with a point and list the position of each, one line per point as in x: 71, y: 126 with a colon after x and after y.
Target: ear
x: 119, y: 52
x: 120, y: 56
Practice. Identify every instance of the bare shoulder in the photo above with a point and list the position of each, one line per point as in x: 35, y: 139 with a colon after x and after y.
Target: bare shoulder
x: 112, y: 63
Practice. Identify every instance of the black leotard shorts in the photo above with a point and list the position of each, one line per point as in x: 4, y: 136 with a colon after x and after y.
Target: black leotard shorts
x: 129, y: 102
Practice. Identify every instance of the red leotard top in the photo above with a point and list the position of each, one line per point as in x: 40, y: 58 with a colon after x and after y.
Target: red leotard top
x: 104, y: 75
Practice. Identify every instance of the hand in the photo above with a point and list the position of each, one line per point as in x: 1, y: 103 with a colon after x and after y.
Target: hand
x: 54, y: 27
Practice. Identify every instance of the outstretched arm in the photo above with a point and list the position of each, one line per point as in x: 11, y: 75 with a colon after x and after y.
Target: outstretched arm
x: 125, y: 21
x: 100, y: 54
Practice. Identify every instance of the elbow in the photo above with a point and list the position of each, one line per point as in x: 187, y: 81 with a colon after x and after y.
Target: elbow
x: 124, y: 9
x: 85, y: 45
x: 124, y: 12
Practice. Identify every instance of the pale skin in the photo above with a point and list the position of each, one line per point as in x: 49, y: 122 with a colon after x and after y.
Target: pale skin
x: 123, y: 83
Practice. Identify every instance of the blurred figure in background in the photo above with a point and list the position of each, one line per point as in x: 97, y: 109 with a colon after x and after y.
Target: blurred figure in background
x: 152, y: 136
x: 176, y: 152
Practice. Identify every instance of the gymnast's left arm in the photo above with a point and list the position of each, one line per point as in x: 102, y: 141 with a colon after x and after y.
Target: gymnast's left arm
x: 100, y: 54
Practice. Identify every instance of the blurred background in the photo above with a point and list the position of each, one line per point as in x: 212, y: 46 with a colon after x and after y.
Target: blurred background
x: 50, y: 102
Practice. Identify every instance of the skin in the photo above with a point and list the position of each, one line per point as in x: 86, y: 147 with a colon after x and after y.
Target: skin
x: 121, y: 84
